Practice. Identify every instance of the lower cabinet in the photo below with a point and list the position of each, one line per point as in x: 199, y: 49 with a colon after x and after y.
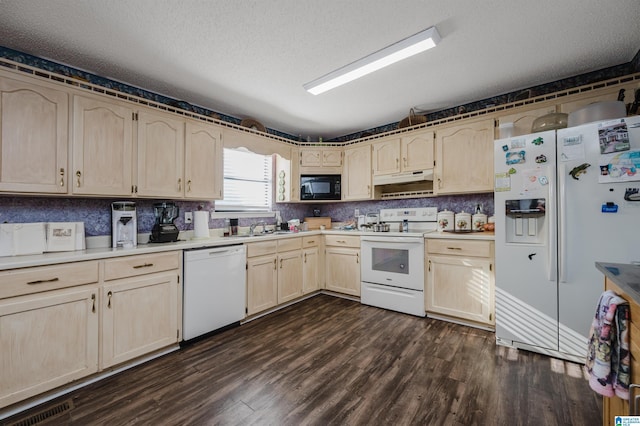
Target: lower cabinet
x: 61, y: 323
x: 311, y: 261
x: 274, y: 273
x: 460, y: 280
x: 342, y: 264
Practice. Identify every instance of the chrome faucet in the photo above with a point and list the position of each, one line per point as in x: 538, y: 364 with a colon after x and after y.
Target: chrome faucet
x: 252, y: 227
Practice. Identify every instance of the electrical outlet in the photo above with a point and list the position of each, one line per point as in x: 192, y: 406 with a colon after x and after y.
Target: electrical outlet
x: 188, y: 217
x: 357, y: 213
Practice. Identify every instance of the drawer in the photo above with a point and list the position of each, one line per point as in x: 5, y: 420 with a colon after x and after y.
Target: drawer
x: 262, y: 248
x: 460, y: 247
x: 342, y: 240
x: 131, y: 266
x: 288, y: 244
x: 16, y: 282
x: 311, y: 241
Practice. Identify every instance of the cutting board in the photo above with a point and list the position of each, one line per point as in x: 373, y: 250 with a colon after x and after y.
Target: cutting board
x: 314, y: 223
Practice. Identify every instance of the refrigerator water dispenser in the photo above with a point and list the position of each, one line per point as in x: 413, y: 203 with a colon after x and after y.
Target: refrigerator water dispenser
x: 525, y: 220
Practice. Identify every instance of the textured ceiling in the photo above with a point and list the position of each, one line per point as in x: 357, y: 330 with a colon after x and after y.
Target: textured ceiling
x: 250, y: 58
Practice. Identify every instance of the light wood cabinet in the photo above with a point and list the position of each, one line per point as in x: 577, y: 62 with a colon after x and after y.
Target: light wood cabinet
x: 460, y: 280
x: 102, y: 147
x: 520, y: 123
x: 35, y: 136
x: 612, y: 407
x: 342, y: 264
x: 160, y: 149
x: 356, y: 174
x: 464, y: 158
x: 315, y: 160
x: 140, y: 306
x: 407, y: 153
x: 48, y: 328
x: 262, y: 283
x: 203, y: 168
x: 311, y: 264
x: 289, y: 275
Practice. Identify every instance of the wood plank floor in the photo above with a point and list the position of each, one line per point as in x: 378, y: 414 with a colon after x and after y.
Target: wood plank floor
x: 331, y: 361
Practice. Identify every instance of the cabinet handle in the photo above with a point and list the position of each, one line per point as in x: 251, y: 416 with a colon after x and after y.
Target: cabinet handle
x: 109, y: 301
x: 179, y: 184
x: 275, y: 264
x: 439, y: 183
x: 357, y: 257
x: 189, y: 185
x: 454, y: 248
x: 368, y: 189
x: 429, y: 266
x: 397, y: 161
x: 280, y: 263
x: 633, y: 407
x: 93, y: 303
x: 404, y: 159
x: 146, y: 265
x: 78, y: 176
x: 305, y: 258
x: 52, y: 280
x: 61, y: 176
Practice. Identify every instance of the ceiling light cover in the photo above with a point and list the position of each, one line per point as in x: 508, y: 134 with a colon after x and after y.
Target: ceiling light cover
x: 417, y: 43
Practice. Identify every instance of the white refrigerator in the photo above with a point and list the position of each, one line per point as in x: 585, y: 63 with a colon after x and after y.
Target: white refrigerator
x: 563, y: 201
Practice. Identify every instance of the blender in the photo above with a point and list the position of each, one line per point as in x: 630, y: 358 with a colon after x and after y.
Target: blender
x: 164, y: 230
x: 124, y: 229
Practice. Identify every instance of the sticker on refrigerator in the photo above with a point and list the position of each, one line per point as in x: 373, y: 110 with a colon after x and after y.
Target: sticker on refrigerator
x: 517, y: 157
x: 537, y: 141
x: 518, y: 143
x: 531, y: 179
x: 502, y: 182
x: 572, y: 148
x: 613, y: 136
x: 620, y: 167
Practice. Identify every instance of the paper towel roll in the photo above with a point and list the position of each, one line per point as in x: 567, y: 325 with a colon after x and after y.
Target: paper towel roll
x: 201, y: 224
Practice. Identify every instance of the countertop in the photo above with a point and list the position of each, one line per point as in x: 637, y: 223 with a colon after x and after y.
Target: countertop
x: 14, y: 262
x: 624, y: 275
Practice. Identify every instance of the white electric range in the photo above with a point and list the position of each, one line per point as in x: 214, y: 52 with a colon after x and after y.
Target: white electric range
x: 392, y: 269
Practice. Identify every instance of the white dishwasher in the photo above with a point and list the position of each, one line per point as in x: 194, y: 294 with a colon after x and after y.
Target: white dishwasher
x: 214, y: 294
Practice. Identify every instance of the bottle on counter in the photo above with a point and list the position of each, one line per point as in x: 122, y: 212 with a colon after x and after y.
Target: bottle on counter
x: 226, y: 231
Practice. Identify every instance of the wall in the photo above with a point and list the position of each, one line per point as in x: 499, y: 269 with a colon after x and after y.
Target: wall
x: 96, y: 213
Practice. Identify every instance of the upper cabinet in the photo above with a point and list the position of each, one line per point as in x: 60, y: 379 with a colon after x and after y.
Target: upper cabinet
x: 356, y: 176
x: 160, y: 148
x: 102, y: 147
x: 464, y: 158
x: 34, y: 122
x: 321, y: 160
x: 203, y: 161
x: 406, y: 153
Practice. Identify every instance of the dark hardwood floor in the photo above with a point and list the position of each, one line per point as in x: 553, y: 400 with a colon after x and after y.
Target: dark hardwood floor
x: 331, y: 361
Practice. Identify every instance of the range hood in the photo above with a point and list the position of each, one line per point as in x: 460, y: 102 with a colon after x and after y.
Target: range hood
x: 403, y: 177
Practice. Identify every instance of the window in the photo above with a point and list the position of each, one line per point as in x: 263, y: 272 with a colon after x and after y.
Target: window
x: 247, y: 181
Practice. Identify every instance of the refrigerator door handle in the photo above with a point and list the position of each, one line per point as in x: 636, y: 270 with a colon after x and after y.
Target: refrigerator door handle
x: 552, y: 254
x: 562, y: 222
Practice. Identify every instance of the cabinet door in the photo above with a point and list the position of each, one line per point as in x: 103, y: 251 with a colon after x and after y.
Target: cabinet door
x: 417, y: 152
x: 310, y: 157
x: 47, y: 340
x: 343, y: 270
x: 160, y: 147
x: 262, y: 283
x: 295, y: 175
x: 332, y: 158
x: 460, y: 287
x: 289, y: 276
x: 386, y: 157
x: 102, y: 147
x: 310, y: 272
x: 464, y: 158
x: 356, y: 175
x: 140, y: 315
x: 203, y: 169
x: 35, y: 135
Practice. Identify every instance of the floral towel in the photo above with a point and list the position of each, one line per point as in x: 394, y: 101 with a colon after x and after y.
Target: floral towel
x: 608, y: 356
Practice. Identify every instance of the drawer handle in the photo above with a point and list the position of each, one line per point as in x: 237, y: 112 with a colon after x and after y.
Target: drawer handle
x: 146, y: 265
x: 454, y: 248
x: 52, y: 280
x: 341, y: 242
x: 311, y: 242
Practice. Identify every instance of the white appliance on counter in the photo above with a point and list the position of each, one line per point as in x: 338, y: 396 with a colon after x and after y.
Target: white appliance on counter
x: 392, y: 269
x: 562, y: 202
x: 214, y: 294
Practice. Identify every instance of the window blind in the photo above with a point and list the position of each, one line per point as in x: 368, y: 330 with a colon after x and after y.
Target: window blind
x: 247, y: 181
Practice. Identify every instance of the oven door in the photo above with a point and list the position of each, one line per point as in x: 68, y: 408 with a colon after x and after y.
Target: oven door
x: 393, y: 261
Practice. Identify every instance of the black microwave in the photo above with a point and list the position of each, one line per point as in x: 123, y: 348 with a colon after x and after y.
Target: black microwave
x: 320, y: 187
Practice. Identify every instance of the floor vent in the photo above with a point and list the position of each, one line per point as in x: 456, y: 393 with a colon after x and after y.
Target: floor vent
x: 46, y: 414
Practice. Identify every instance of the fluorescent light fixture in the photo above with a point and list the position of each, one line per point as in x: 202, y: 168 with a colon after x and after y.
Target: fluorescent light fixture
x: 424, y: 40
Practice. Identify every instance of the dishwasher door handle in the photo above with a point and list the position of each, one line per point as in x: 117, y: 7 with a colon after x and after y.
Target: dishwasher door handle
x: 225, y: 250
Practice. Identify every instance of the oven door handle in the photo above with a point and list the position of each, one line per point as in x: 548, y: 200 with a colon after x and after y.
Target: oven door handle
x: 410, y: 240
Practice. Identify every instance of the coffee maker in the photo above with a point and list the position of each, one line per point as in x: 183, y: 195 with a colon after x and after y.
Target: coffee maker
x: 164, y: 230
x: 124, y: 228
